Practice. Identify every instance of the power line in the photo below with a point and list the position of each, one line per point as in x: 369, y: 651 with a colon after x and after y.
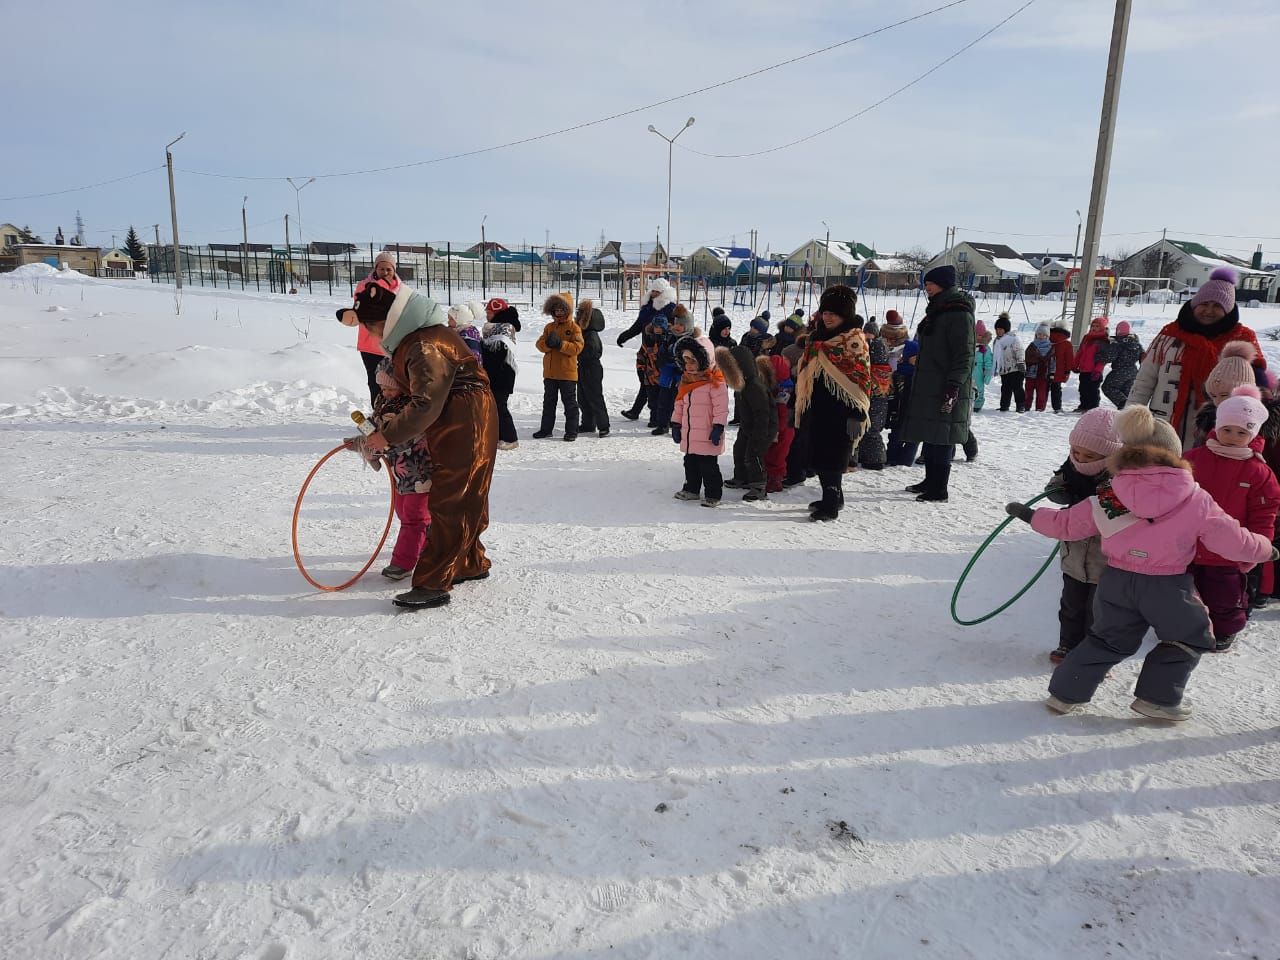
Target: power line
x: 88, y: 186
x: 624, y: 113
x: 865, y: 110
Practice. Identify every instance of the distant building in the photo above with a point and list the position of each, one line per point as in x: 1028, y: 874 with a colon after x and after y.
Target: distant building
x: 83, y: 259
x: 834, y: 259
x: 630, y: 254
x: 1193, y: 263
x: 987, y: 266
x: 716, y: 261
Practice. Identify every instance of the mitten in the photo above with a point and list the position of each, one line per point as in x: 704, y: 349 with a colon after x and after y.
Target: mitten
x: 553, y: 340
x: 717, y: 431
x: 621, y: 341
x: 949, y: 398
x: 1019, y: 510
x: 675, y: 432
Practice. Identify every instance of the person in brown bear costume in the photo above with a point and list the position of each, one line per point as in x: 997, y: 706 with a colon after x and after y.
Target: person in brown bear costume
x: 451, y: 405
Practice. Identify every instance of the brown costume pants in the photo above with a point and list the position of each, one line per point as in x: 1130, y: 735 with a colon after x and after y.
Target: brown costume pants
x: 464, y: 444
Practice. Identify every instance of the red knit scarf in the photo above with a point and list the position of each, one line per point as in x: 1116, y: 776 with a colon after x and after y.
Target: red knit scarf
x: 1199, y: 357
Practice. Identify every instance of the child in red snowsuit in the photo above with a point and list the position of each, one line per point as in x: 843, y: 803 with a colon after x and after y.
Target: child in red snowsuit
x: 1231, y: 468
x: 776, y: 373
x: 410, y: 465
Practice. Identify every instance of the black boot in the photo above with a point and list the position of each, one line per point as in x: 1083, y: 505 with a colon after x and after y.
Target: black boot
x: 935, y: 479
x: 832, y: 499
x: 971, y: 447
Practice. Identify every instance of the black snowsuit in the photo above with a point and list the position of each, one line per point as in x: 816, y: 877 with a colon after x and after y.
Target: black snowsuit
x: 757, y: 418
x: 1124, y: 354
x: 591, y: 375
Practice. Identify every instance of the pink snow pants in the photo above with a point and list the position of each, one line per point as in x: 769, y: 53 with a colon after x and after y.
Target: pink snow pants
x: 415, y: 518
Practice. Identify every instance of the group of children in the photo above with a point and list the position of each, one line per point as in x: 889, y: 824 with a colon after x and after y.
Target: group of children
x: 1151, y: 537
x: 1155, y: 537
x: 1032, y: 378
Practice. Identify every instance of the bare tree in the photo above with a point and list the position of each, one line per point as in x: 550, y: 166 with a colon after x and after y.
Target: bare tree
x: 1157, y: 262
x: 915, y: 257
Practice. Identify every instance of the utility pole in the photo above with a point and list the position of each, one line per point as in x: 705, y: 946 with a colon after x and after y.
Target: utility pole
x: 173, y: 211
x: 484, y: 267
x: 244, y: 223
x: 288, y: 252
x: 1160, y: 257
x: 1102, y: 167
x: 826, y: 257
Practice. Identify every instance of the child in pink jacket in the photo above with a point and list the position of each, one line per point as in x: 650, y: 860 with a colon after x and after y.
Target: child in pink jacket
x: 1150, y: 515
x: 1231, y: 468
x: 697, y: 424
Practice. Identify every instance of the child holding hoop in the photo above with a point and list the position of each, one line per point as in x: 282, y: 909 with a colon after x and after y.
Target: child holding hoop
x: 1150, y: 515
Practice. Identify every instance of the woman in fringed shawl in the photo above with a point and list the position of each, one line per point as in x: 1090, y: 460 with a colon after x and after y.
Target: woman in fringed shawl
x: 834, y: 383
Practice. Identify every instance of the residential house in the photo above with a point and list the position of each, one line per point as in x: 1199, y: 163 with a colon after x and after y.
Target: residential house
x: 890, y: 273
x: 837, y: 260
x: 712, y: 262
x: 987, y: 266
x: 1192, y: 263
x: 116, y: 263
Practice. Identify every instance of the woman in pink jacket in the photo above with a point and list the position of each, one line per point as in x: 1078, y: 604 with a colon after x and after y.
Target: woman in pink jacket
x: 697, y: 424
x: 1151, y: 515
x: 367, y: 342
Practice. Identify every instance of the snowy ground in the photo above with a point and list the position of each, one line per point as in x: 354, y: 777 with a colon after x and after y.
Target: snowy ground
x: 657, y: 731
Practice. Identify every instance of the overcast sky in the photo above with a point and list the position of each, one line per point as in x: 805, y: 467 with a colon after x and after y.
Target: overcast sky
x: 999, y: 141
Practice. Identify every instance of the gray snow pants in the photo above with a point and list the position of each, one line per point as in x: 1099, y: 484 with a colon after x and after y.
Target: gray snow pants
x: 1125, y: 605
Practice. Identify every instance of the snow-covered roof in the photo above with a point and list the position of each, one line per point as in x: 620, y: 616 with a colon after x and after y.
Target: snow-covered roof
x: 893, y: 265
x: 729, y: 253
x: 1017, y: 265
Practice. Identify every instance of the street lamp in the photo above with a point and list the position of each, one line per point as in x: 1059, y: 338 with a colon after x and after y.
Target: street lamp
x: 297, y: 196
x: 484, y: 269
x: 173, y: 211
x: 670, y: 147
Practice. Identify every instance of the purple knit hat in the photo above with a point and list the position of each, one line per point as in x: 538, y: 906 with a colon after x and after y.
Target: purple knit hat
x: 1243, y: 409
x: 1095, y: 431
x: 1220, y: 288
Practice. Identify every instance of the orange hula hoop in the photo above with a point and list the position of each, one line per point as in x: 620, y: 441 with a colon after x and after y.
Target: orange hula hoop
x: 297, y: 506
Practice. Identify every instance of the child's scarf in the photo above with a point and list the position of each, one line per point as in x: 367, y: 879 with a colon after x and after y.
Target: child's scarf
x: 692, y: 381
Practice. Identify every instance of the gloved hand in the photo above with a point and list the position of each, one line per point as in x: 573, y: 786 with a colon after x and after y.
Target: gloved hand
x: 621, y: 341
x: 675, y: 432
x: 949, y: 398
x: 1019, y: 510
x: 1275, y: 554
x: 553, y: 340
x: 717, y: 431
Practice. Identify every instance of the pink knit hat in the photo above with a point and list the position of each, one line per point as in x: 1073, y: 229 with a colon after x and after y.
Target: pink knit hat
x: 980, y: 330
x: 1220, y: 288
x: 1243, y: 409
x: 1095, y: 431
x: 1122, y: 328
x: 1234, y: 367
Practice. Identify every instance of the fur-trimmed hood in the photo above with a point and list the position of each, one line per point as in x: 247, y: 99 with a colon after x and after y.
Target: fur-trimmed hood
x: 1143, y: 456
x: 557, y: 300
x: 699, y: 346
x: 737, y: 365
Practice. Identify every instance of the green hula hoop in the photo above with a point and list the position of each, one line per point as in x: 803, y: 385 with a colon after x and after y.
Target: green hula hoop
x: 955, y: 594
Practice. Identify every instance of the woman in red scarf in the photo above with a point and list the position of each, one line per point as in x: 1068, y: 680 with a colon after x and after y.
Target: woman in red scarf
x: 1171, y: 380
